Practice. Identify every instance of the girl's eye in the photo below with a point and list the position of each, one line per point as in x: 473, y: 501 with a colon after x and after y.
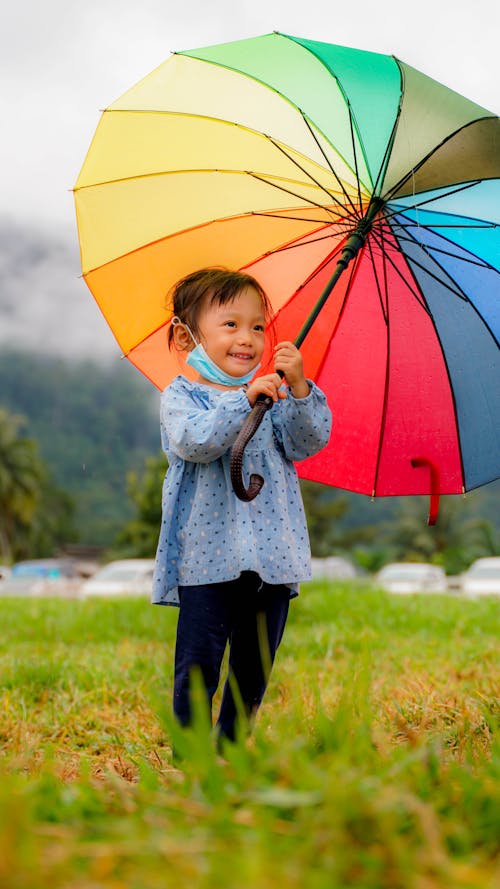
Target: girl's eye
x: 259, y: 327
x: 230, y: 324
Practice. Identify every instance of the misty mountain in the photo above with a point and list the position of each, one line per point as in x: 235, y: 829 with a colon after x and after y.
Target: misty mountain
x: 44, y: 305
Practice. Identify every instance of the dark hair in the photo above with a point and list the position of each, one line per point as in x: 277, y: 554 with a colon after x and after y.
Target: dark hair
x: 219, y: 285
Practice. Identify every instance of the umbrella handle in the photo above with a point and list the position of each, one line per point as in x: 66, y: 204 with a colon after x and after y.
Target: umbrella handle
x: 426, y: 463
x: 247, y: 431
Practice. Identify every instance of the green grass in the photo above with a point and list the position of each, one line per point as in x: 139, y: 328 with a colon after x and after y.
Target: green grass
x: 375, y: 761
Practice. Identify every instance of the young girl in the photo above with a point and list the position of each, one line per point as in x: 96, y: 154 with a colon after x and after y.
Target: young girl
x: 231, y: 566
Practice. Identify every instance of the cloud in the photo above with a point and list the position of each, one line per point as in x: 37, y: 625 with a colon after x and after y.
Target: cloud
x: 44, y: 306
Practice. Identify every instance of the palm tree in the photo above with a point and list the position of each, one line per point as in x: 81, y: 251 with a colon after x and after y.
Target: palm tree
x: 21, y: 474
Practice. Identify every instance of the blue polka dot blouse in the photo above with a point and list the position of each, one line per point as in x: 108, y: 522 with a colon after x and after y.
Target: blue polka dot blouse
x: 207, y: 534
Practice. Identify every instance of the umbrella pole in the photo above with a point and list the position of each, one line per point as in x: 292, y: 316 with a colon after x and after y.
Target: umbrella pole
x: 350, y: 249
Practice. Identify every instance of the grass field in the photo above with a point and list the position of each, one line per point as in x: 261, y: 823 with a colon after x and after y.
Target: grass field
x: 375, y: 761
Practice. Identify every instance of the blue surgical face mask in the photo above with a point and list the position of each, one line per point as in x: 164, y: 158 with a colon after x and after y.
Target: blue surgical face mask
x: 208, y: 369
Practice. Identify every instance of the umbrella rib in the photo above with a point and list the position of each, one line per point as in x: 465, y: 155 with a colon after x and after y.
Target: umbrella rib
x: 301, y: 243
x: 331, y: 256
x: 438, y: 197
x: 410, y: 224
x: 408, y: 259
x: 477, y: 261
x: 353, y: 142
x: 352, y: 272
x: 397, y: 270
x: 454, y: 225
x: 306, y: 173
x: 375, y: 272
x: 390, y: 144
x: 420, y: 164
x: 293, y: 193
x: 327, y: 159
x: 481, y: 263
x: 463, y: 296
x: 328, y: 259
x: 294, y: 218
x: 383, y: 418
x: 188, y: 171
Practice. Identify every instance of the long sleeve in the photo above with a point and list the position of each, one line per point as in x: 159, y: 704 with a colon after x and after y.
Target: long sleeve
x: 195, y: 433
x: 302, y: 425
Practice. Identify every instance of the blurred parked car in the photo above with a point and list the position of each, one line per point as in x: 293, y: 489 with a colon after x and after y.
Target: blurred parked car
x: 123, y: 577
x: 412, y: 577
x: 42, y: 577
x: 333, y: 568
x: 4, y: 572
x: 482, y: 578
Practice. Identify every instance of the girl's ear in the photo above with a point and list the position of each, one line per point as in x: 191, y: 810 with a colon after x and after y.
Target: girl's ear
x: 182, y: 339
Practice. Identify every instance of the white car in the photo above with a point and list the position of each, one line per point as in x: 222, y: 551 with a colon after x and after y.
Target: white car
x: 332, y: 568
x: 127, y: 577
x: 482, y: 578
x: 412, y: 577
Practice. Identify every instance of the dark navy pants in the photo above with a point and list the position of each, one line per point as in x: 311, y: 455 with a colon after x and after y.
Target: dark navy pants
x: 247, y: 614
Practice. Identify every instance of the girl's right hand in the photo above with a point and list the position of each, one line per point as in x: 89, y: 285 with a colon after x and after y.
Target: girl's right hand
x: 267, y: 385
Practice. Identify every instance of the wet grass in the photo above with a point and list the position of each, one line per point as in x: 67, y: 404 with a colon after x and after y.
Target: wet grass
x: 375, y: 761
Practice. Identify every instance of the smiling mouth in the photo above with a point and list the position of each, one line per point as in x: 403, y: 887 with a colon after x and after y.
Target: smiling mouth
x: 240, y: 356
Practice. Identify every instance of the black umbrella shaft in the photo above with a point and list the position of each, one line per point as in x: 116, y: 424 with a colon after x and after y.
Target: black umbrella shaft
x: 351, y: 247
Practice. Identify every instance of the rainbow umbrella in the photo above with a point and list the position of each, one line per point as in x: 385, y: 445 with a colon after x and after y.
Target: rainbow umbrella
x: 284, y: 156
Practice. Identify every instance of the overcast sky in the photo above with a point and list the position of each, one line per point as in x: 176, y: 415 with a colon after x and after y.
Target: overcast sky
x: 63, y: 61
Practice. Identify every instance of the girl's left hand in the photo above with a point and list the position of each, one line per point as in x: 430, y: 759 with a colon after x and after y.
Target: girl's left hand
x: 288, y: 359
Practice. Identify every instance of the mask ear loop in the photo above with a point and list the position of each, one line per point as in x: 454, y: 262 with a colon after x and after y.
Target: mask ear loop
x: 176, y: 322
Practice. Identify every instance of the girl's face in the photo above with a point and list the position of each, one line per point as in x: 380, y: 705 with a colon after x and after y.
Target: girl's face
x: 233, y: 334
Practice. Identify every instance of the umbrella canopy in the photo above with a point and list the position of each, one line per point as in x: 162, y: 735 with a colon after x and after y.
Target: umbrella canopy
x: 266, y: 154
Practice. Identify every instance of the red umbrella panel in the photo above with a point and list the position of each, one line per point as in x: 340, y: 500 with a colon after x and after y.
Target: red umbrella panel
x: 374, y: 351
